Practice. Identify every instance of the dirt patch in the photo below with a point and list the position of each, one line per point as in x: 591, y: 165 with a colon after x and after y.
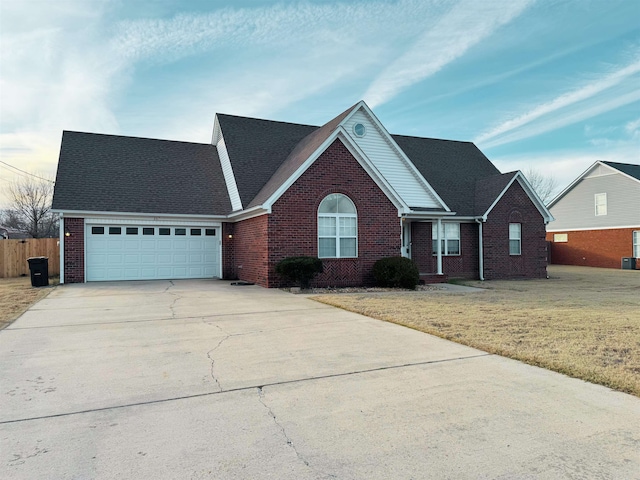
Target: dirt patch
x: 17, y: 295
x: 583, y: 322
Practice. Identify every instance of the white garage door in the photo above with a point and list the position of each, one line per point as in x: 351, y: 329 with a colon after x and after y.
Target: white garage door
x: 140, y: 252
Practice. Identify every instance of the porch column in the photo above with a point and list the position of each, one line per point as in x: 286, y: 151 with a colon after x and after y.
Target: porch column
x: 439, y: 246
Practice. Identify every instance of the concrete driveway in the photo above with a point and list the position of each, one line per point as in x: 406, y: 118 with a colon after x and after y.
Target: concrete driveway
x: 201, y: 379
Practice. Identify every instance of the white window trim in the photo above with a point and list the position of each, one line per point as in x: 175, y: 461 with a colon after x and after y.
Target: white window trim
x: 337, y: 237
x: 636, y: 243
x: 446, y: 239
x: 519, y: 239
x: 603, y: 205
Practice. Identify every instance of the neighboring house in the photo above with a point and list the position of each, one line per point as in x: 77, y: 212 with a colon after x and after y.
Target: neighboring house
x: 347, y: 192
x: 12, y: 233
x: 598, y: 217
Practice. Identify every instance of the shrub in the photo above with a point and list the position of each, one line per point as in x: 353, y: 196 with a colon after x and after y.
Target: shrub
x: 299, y: 270
x: 396, y: 272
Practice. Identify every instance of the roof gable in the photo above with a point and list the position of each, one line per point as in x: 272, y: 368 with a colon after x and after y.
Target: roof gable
x: 111, y: 173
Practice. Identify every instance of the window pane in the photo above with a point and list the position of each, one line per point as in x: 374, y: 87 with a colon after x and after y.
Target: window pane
x: 347, y: 227
x: 97, y: 230
x: 345, y: 205
x: 164, y: 231
x: 452, y: 230
x: 132, y: 230
x: 453, y: 247
x: 326, y: 226
x: 347, y: 247
x: 326, y: 247
x: 148, y: 231
x: 329, y: 204
x: 514, y: 231
x: 181, y: 231
x: 514, y: 247
x: 196, y: 231
x: 115, y: 230
x: 210, y: 232
x: 636, y: 244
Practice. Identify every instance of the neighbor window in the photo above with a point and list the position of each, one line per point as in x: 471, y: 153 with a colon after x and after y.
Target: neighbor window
x: 337, y: 227
x: 636, y: 244
x: 449, y: 238
x: 560, y: 237
x: 515, y: 239
x: 601, y: 204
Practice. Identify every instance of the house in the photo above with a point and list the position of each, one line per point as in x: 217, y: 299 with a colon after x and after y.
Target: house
x: 12, y: 233
x: 347, y: 192
x: 598, y: 217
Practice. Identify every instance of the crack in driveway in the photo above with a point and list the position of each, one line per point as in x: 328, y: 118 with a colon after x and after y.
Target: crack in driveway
x: 279, y: 425
x: 213, y: 361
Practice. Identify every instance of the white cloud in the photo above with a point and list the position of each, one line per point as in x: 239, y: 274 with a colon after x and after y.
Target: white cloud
x: 464, y: 26
x: 501, y: 133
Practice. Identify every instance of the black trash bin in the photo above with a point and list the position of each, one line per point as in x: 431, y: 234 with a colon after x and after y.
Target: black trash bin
x: 39, y: 267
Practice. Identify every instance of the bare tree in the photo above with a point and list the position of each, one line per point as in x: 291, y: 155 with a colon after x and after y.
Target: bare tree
x: 544, y: 185
x: 30, y: 208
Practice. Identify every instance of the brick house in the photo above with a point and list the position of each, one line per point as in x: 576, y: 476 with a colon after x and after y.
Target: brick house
x: 598, y: 218
x: 347, y: 192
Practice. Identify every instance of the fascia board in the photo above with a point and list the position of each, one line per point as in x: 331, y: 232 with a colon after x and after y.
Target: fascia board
x: 397, y: 148
x: 620, y: 172
x: 544, y: 211
x: 573, y: 184
x: 340, y: 133
x: 217, y: 132
x: 163, y: 216
x: 586, y: 229
x: 250, y: 213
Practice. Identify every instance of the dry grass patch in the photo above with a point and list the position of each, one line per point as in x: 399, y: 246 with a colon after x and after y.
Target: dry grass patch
x: 583, y: 322
x: 16, y: 295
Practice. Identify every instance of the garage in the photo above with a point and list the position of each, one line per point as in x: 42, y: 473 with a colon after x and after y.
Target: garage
x: 151, y: 252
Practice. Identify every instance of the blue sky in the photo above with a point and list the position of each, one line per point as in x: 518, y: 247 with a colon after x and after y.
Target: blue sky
x: 550, y: 85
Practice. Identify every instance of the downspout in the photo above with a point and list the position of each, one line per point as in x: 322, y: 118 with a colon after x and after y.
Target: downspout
x: 439, y: 249
x: 61, y: 234
x: 480, y: 249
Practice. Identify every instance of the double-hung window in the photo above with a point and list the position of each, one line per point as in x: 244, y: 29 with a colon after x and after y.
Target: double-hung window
x: 601, y: 204
x: 636, y: 243
x: 449, y: 238
x: 515, y: 239
x: 337, y: 227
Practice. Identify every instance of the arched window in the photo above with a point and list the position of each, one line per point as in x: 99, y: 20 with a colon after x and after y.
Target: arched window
x: 337, y: 227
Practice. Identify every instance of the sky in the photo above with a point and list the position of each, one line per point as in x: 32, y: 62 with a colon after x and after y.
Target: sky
x: 547, y: 85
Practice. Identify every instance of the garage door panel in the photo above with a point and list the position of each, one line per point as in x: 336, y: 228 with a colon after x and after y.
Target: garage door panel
x: 145, y: 257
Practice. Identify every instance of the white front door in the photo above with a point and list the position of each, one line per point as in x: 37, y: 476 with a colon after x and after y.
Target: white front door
x: 151, y: 252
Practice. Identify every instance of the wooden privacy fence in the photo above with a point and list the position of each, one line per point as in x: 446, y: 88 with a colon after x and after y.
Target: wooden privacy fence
x: 14, y: 254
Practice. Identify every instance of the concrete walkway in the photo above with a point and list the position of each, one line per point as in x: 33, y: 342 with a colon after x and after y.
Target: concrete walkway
x: 200, y: 379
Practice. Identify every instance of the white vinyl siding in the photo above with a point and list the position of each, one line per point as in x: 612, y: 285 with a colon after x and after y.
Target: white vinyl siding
x: 636, y: 244
x: 515, y: 239
x: 449, y: 237
x: 601, y: 204
x: 575, y: 210
x: 390, y: 164
x: 229, y: 177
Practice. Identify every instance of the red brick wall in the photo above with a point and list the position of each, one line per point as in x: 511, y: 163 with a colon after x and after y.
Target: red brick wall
x: 593, y: 248
x: 293, y: 221
x: 250, y: 242
x: 74, y: 250
x: 464, y: 265
x: 228, y: 252
x: 514, y: 207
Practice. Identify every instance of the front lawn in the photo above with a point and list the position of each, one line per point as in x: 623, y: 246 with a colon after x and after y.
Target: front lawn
x: 583, y: 322
x: 17, y: 295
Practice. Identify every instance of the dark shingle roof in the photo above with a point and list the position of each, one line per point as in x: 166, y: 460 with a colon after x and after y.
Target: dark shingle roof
x: 257, y: 148
x: 452, y: 168
x: 297, y: 157
x: 629, y: 169
x: 487, y: 190
x: 128, y: 174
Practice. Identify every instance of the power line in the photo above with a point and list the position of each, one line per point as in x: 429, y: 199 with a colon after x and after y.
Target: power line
x: 27, y: 173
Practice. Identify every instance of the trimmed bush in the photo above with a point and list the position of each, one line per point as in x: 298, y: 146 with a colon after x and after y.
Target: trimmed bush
x: 299, y: 270
x: 396, y: 272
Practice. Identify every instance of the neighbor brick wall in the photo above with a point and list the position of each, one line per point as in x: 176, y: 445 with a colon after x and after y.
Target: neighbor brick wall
x: 514, y: 207
x: 464, y: 265
x: 228, y: 252
x: 593, y: 248
x: 293, y: 221
x: 74, y: 250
